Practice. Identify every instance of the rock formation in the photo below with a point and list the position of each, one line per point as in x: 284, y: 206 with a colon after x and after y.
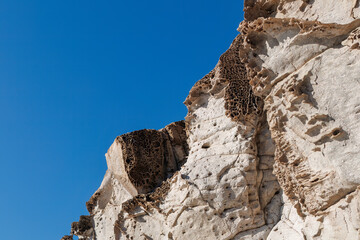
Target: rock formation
x: 269, y: 148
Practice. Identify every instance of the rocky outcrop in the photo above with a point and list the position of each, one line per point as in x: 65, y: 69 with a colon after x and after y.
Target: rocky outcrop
x: 269, y: 148
x: 307, y: 73
x: 138, y: 163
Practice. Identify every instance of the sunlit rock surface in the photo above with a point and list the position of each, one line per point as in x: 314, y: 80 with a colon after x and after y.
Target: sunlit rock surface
x: 269, y: 148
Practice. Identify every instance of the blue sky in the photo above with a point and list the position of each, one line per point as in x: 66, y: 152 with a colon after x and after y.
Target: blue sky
x: 74, y: 74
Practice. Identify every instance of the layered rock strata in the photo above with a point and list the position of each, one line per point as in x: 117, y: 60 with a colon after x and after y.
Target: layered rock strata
x: 269, y: 148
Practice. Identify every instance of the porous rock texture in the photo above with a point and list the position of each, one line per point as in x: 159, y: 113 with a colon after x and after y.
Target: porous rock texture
x: 269, y: 148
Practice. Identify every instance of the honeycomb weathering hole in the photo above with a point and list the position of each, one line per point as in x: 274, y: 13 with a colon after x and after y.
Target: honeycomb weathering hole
x: 144, y: 155
x: 151, y: 156
x: 239, y: 97
x: 205, y: 145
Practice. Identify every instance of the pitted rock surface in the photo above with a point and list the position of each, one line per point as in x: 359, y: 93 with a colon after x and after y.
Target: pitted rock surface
x: 269, y: 149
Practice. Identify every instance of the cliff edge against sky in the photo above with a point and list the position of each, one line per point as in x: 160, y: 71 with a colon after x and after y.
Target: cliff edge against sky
x: 269, y: 148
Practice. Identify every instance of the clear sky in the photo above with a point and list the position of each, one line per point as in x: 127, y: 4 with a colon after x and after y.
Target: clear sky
x: 74, y: 74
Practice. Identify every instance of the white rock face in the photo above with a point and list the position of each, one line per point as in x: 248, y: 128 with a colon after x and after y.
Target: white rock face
x: 226, y: 187
x: 341, y: 11
x: 308, y: 75
x: 270, y: 147
x: 340, y: 221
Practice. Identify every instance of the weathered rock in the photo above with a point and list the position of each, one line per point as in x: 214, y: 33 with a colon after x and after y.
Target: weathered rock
x: 307, y: 72
x: 340, y: 221
x: 325, y: 11
x: 83, y: 228
x: 269, y: 148
x: 219, y: 192
x: 67, y: 237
